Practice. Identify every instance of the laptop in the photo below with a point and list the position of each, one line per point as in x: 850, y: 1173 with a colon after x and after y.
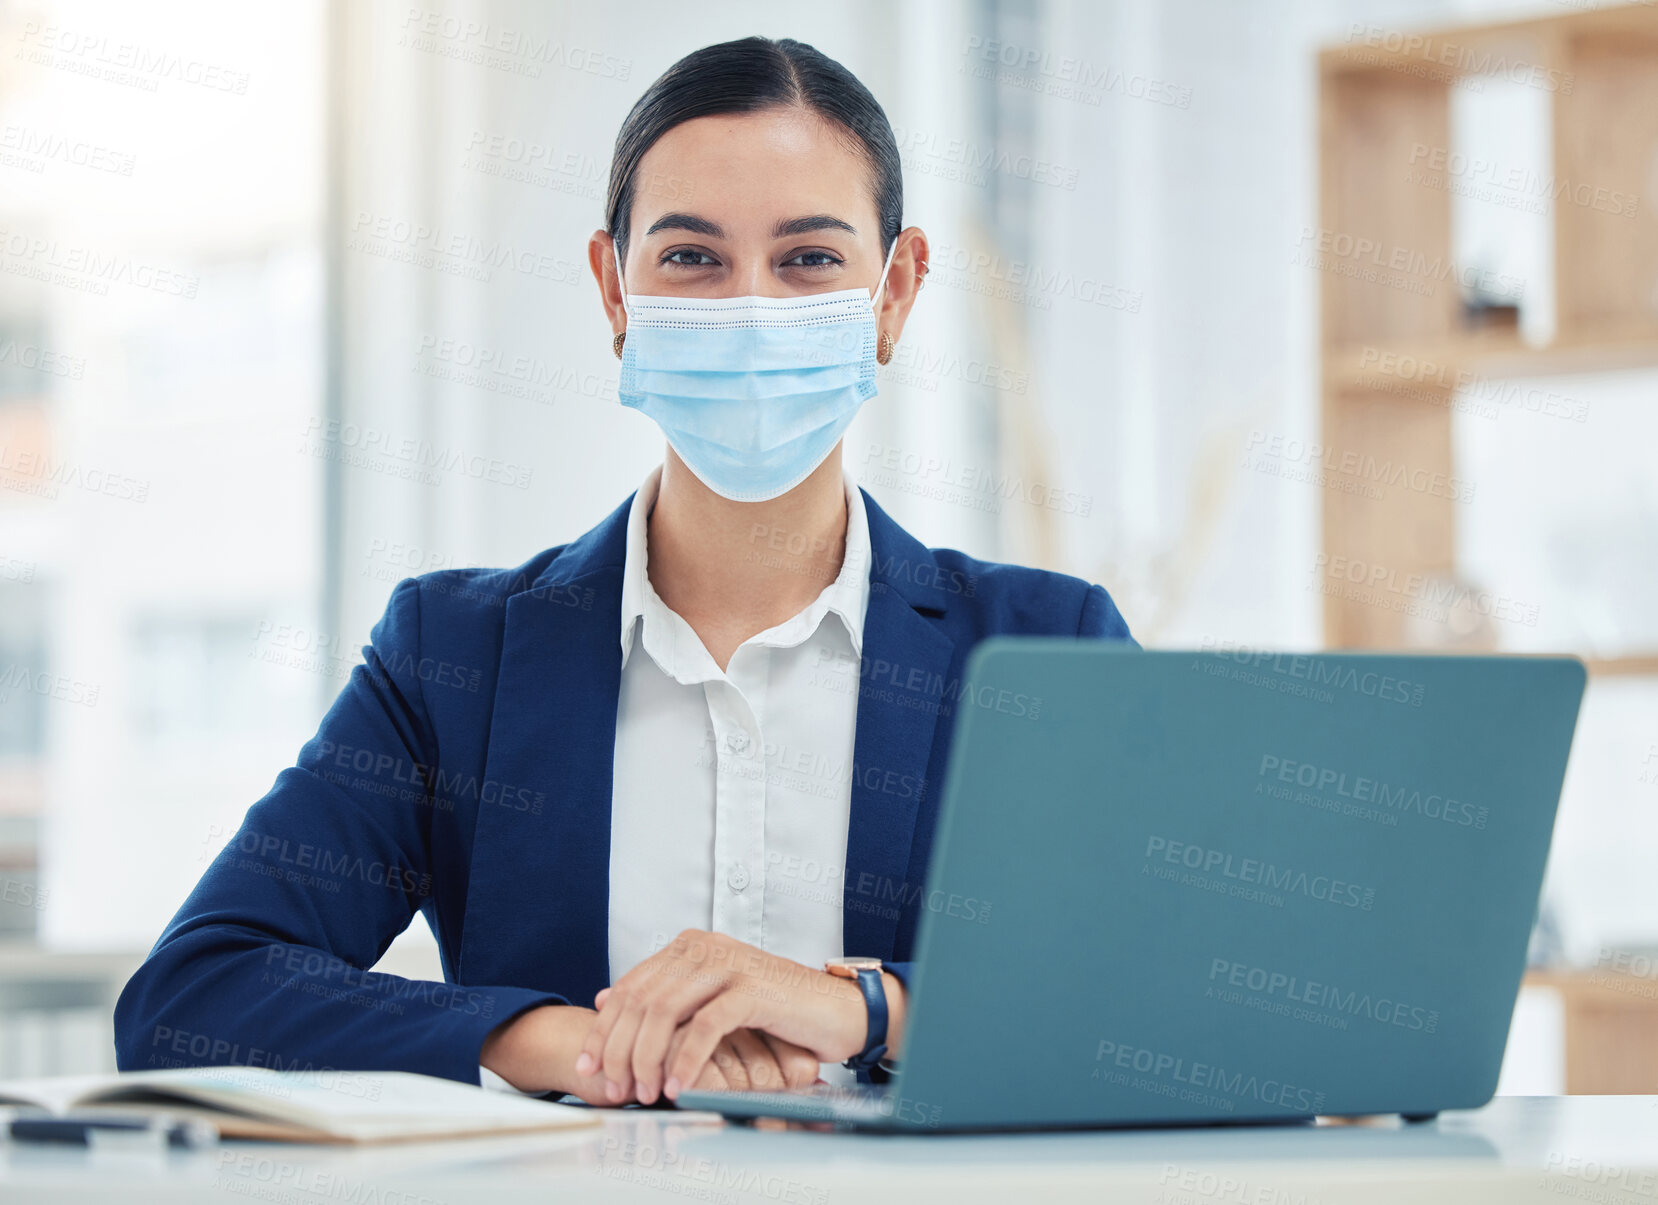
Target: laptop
x: 1221, y: 886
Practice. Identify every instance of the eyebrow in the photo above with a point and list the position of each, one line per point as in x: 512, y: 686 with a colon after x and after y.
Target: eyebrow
x: 818, y: 221
x: 783, y: 229
x: 686, y: 221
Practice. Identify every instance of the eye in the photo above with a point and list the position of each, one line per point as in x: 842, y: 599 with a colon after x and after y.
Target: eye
x: 813, y: 259
x: 692, y: 258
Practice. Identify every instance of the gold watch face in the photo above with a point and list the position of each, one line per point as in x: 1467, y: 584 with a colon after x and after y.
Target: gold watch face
x: 848, y: 968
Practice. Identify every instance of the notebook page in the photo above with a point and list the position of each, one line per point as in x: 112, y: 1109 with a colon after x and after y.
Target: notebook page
x: 352, y: 1102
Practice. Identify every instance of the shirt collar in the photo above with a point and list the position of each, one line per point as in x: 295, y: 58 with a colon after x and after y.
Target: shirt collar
x: 672, y: 643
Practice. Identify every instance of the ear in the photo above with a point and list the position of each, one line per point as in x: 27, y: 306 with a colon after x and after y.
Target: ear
x: 909, y: 268
x: 601, y: 257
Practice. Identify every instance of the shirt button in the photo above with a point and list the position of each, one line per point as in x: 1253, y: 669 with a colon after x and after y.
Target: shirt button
x: 736, y: 878
x: 736, y: 742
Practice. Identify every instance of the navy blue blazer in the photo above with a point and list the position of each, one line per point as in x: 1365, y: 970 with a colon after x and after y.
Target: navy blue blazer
x: 465, y: 771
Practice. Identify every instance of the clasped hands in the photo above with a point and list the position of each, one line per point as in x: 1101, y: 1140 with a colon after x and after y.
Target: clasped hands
x: 705, y: 1011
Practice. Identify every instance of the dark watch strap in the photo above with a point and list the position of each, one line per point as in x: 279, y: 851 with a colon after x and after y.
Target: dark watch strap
x: 875, y: 1041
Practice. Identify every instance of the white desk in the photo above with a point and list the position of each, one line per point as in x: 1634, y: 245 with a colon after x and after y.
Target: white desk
x: 1518, y: 1149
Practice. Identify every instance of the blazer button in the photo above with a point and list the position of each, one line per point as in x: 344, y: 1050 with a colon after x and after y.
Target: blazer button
x: 736, y: 878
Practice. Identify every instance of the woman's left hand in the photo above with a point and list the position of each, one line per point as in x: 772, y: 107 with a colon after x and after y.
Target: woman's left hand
x: 703, y: 986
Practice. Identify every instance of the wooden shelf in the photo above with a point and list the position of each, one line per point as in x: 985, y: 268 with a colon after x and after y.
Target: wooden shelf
x: 1395, y: 347
x: 1487, y: 356
x: 1635, y: 665
x: 1609, y: 1020
x: 1446, y: 54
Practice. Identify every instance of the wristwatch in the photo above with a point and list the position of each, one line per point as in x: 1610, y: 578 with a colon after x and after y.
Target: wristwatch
x: 867, y: 972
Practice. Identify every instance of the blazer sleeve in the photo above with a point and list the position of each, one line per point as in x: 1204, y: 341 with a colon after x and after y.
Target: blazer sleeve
x: 1101, y: 619
x: 266, y: 962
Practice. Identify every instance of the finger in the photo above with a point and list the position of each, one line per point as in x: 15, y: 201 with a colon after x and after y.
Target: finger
x: 800, y: 1066
x: 673, y: 1049
x: 671, y: 1090
x: 587, y: 1060
x: 627, y: 1003
x: 696, y: 970
x: 591, y: 1088
x: 610, y: 1002
x: 674, y: 1045
x: 730, y: 1063
x: 760, y: 1065
x: 666, y: 1011
x: 592, y: 1047
x: 711, y: 1080
x: 617, y: 1057
x: 702, y: 1033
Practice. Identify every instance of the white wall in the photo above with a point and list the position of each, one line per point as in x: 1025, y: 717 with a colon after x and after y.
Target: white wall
x: 425, y: 124
x: 1185, y: 214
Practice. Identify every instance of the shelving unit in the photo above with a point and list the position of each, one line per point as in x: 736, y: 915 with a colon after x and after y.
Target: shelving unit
x: 1383, y: 96
x: 1610, y: 1021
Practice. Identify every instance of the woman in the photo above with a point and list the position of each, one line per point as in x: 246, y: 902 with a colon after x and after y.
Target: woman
x: 644, y: 806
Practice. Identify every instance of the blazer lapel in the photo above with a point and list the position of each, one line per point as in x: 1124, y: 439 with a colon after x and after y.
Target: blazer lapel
x: 538, y: 902
x: 538, y: 905
x: 903, y: 688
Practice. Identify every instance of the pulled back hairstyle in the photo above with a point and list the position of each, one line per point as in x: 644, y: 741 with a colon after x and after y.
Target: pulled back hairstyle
x: 743, y: 77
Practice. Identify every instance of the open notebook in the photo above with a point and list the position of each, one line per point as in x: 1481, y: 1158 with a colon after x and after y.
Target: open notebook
x: 303, y: 1106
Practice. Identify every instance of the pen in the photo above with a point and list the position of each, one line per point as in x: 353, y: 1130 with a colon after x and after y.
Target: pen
x: 80, y: 1131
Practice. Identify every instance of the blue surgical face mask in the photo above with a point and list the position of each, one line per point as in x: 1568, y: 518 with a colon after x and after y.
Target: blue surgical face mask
x: 752, y: 392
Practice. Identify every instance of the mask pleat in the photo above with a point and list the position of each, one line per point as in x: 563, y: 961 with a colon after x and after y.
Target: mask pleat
x: 752, y: 477
x: 752, y: 396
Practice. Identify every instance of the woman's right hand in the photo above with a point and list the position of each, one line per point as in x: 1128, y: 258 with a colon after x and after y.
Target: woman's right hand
x: 536, y: 1052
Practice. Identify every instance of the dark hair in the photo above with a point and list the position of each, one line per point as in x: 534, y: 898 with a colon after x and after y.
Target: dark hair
x: 742, y: 77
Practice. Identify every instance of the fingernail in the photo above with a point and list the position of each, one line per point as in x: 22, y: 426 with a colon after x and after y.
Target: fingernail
x: 613, y: 1091
x: 584, y: 1064
x: 671, y: 1088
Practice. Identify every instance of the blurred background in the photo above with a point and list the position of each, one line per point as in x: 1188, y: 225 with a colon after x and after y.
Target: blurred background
x: 1293, y: 325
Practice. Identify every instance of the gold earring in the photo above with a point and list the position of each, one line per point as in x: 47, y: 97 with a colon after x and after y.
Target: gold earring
x: 616, y: 343
x: 883, y: 350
